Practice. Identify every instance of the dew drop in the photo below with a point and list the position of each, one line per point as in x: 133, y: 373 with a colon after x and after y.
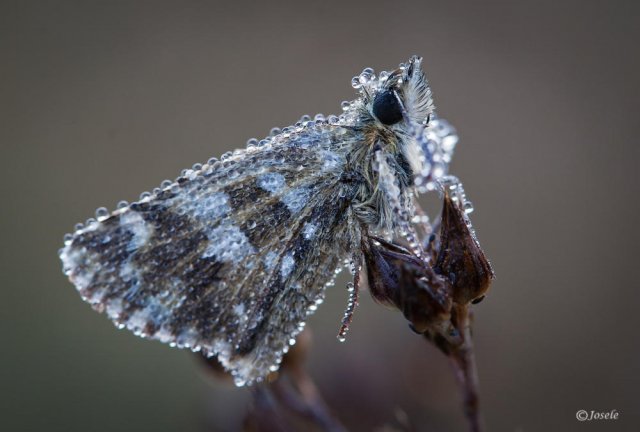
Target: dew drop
x: 366, y: 76
x: 468, y: 207
x: 102, y: 213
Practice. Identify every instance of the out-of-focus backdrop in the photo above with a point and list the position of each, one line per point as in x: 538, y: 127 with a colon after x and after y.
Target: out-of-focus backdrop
x: 100, y: 101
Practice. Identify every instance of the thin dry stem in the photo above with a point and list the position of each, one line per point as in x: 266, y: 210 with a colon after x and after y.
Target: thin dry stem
x: 464, y: 366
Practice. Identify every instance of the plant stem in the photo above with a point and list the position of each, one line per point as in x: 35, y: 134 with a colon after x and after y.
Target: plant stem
x: 464, y: 367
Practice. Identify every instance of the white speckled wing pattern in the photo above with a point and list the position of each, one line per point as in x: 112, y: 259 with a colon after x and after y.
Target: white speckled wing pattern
x: 231, y: 257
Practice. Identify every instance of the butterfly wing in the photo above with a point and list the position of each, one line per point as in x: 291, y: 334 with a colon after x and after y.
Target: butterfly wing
x: 229, y: 259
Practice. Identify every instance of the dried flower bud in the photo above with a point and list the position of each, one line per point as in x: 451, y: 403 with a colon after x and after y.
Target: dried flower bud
x: 399, y: 279
x: 460, y: 258
x: 434, y: 299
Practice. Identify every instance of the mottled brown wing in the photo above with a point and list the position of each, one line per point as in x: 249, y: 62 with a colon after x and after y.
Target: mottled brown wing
x: 228, y: 260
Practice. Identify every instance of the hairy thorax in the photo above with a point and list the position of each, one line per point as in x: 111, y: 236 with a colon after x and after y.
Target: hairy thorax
x: 371, y: 204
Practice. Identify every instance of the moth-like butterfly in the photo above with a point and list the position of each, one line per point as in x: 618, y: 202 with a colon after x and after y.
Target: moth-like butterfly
x: 231, y: 257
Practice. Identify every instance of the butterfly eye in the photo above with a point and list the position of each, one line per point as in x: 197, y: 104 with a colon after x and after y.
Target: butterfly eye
x: 387, y: 108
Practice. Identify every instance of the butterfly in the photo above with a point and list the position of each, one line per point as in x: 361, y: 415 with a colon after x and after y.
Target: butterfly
x: 231, y: 257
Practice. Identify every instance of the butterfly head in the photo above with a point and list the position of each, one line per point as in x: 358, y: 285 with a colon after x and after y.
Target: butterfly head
x: 397, y: 111
x: 398, y: 99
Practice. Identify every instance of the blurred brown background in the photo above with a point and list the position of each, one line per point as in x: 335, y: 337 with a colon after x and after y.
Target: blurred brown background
x: 100, y: 101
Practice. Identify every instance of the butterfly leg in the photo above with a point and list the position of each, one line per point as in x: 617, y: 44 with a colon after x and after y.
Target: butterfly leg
x: 354, y: 291
x: 389, y: 184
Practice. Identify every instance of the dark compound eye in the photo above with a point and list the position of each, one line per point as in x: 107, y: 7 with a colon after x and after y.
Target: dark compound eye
x: 387, y: 108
